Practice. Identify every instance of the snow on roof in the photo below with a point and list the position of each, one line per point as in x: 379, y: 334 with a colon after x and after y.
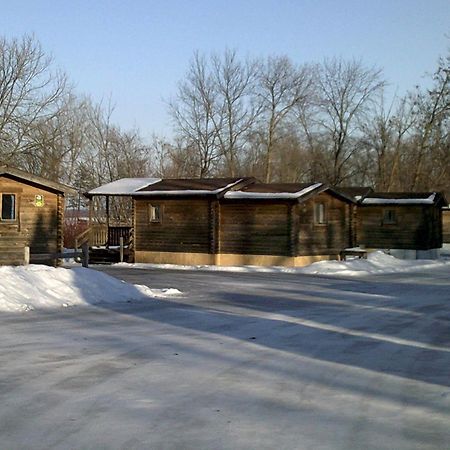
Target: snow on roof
x: 124, y: 186
x: 356, y: 192
x: 189, y: 187
x: 382, y: 200
x: 255, y: 194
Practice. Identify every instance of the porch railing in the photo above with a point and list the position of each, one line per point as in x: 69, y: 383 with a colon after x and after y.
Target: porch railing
x: 101, y: 235
x: 115, y: 233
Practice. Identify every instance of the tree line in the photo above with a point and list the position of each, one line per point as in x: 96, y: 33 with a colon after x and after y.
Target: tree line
x: 265, y: 117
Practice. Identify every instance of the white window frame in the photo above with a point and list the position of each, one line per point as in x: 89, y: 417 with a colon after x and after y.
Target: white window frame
x: 320, y: 213
x: 155, y: 213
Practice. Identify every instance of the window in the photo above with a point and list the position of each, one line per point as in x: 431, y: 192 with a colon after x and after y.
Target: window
x: 155, y: 213
x: 389, y: 216
x: 319, y: 213
x: 8, y: 207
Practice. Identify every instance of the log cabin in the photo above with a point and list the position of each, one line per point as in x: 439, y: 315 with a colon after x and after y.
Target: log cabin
x: 409, y: 225
x: 291, y: 224
x: 229, y: 221
x: 31, y: 215
x: 357, y: 193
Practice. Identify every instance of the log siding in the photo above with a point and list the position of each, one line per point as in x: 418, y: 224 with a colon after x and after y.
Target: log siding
x: 327, y: 238
x: 38, y: 227
x: 416, y: 227
x: 257, y: 228
x: 184, y: 227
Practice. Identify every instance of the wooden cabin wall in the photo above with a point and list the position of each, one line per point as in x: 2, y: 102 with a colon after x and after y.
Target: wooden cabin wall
x: 243, y: 227
x: 184, y: 227
x: 446, y: 226
x: 434, y: 220
x: 256, y: 228
x: 417, y: 227
x: 284, y: 228
x: 329, y: 238
x: 40, y: 228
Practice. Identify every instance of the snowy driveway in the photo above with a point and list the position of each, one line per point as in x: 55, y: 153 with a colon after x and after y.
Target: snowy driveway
x: 238, y: 361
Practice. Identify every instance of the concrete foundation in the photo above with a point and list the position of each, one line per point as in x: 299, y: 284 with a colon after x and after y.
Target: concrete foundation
x: 414, y: 254
x: 228, y: 259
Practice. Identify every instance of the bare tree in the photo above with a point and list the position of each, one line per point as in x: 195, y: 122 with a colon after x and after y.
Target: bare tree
x: 347, y: 89
x: 234, y: 83
x: 30, y: 92
x: 54, y: 145
x: 385, y: 138
x: 282, y: 87
x: 433, y: 122
x: 195, y: 115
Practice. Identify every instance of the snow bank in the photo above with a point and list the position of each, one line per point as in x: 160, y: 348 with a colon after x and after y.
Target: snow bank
x: 35, y: 286
x: 377, y: 263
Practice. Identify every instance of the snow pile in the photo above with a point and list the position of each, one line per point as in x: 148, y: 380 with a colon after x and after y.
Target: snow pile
x: 376, y: 263
x: 35, y: 286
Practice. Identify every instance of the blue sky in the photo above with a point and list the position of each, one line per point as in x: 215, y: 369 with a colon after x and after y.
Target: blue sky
x: 136, y: 51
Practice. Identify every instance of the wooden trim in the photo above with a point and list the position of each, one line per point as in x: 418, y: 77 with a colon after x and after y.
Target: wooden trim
x: 214, y: 227
x: 292, y: 229
x: 60, y: 220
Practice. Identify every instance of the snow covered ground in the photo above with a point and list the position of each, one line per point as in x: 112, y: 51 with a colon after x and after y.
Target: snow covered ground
x: 37, y: 286
x: 236, y: 360
x: 26, y: 288
x: 377, y: 262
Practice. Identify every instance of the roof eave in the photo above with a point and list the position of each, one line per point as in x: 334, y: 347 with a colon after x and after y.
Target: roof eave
x: 53, y: 185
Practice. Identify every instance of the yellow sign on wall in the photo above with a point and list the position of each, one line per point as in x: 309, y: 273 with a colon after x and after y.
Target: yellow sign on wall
x: 39, y: 201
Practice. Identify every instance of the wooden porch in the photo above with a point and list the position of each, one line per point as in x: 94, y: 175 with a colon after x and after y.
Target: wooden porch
x: 110, y: 232
x: 107, y: 243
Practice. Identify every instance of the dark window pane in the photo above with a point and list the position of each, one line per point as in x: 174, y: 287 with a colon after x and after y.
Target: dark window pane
x: 8, y: 207
x: 389, y: 216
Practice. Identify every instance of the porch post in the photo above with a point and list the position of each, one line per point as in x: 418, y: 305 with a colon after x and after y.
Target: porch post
x: 107, y: 221
x: 91, y: 206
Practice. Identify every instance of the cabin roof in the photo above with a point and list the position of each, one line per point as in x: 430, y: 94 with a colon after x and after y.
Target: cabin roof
x: 122, y: 187
x: 355, y: 192
x: 280, y: 191
x: 273, y: 191
x: 191, y: 186
x: 34, y: 179
x: 404, y: 198
x: 228, y: 188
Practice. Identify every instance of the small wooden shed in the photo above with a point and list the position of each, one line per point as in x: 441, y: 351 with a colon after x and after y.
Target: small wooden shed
x: 31, y: 215
x: 239, y: 221
x: 409, y: 223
